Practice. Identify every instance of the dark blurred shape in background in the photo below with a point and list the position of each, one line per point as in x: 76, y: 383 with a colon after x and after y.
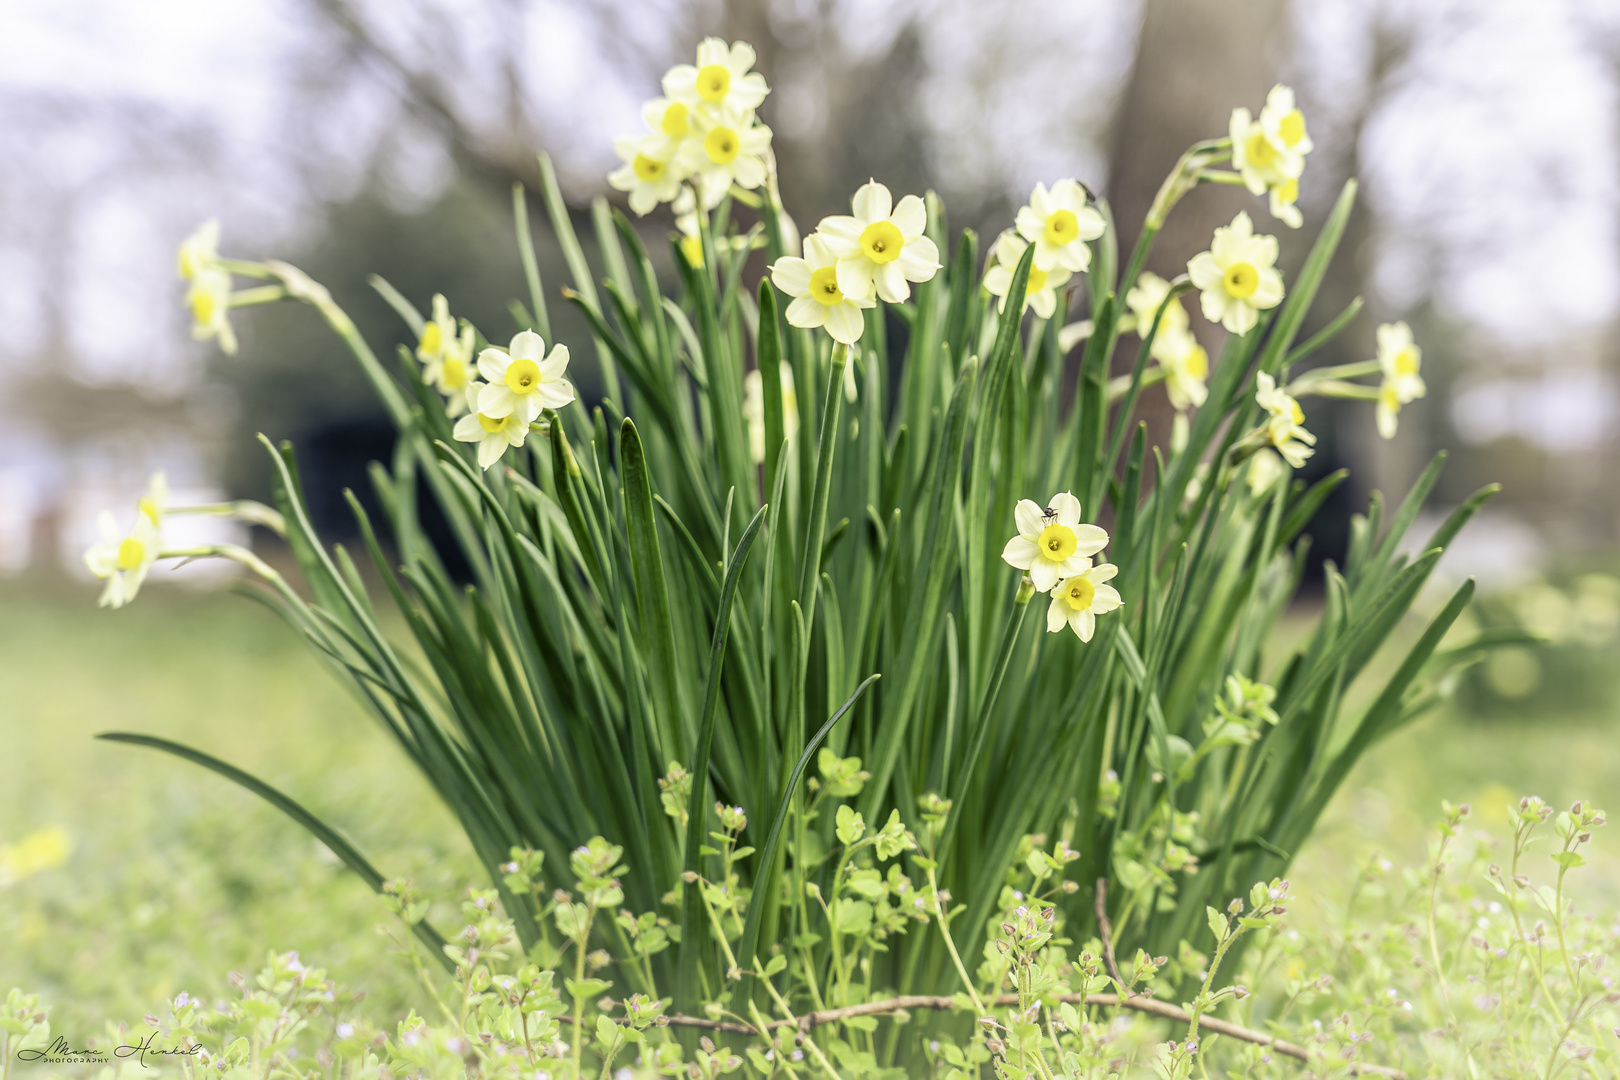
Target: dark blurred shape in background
x: 361, y: 136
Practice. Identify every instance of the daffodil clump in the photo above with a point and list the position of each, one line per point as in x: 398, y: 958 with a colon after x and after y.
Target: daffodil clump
x: 704, y: 131
x: 784, y: 516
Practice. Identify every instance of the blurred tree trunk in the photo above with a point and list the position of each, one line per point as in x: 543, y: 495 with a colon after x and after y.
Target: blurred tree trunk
x: 1196, y: 60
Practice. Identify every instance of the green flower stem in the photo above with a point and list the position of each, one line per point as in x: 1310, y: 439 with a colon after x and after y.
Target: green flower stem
x: 254, y: 513
x: 579, y: 976
x: 245, y: 268
x: 1336, y: 371
x: 950, y: 946
x: 1338, y: 389
x: 264, y: 294
x: 815, y: 1051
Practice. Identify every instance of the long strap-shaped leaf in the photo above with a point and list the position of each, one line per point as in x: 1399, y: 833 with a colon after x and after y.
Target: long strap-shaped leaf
x: 323, y: 832
x: 691, y: 932
x: 749, y: 941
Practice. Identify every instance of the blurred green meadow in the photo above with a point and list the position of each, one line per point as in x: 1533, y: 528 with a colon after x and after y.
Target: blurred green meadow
x: 170, y: 877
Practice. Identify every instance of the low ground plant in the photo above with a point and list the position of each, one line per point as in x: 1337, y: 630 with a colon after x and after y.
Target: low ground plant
x: 1474, y: 964
x: 653, y: 701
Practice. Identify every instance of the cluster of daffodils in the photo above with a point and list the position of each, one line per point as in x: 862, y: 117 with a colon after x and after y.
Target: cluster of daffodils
x: 1054, y: 549
x: 1059, y: 223
x: 1398, y: 362
x: 853, y: 260
x: 122, y: 558
x: 1285, y: 421
x: 1269, y: 152
x: 702, y: 131
x: 446, y: 355
x: 208, y: 291
x: 520, y: 382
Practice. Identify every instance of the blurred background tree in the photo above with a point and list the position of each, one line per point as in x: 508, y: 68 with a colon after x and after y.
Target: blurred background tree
x: 357, y: 136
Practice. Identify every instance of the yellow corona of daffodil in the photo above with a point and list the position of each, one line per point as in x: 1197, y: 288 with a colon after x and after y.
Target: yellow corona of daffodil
x: 1237, y: 276
x: 646, y: 173
x: 1059, y: 222
x: 817, y: 299
x: 523, y: 379
x: 1285, y: 421
x: 881, y: 247
x: 1041, y: 291
x: 1399, y: 359
x: 123, y: 559
x: 209, y: 299
x: 721, y: 80
x: 1079, y: 598
x: 493, y: 434
x: 1269, y: 152
x: 1052, y: 544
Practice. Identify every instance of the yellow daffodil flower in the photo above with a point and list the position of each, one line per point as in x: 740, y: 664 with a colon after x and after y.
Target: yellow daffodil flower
x: 493, y: 434
x: 881, y: 246
x: 1080, y: 598
x: 1237, y: 275
x: 1052, y: 544
x: 1144, y: 300
x: 647, y: 173
x: 209, y: 299
x: 1186, y: 372
x: 813, y: 282
x: 1399, y: 359
x: 446, y: 356
x: 734, y: 149
x: 1284, y: 124
x: 1041, y: 291
x: 1059, y: 222
x: 123, y: 559
x: 523, y: 380
x: 721, y: 80
x: 1285, y: 424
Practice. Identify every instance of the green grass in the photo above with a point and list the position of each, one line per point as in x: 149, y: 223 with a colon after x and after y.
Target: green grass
x: 178, y: 877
